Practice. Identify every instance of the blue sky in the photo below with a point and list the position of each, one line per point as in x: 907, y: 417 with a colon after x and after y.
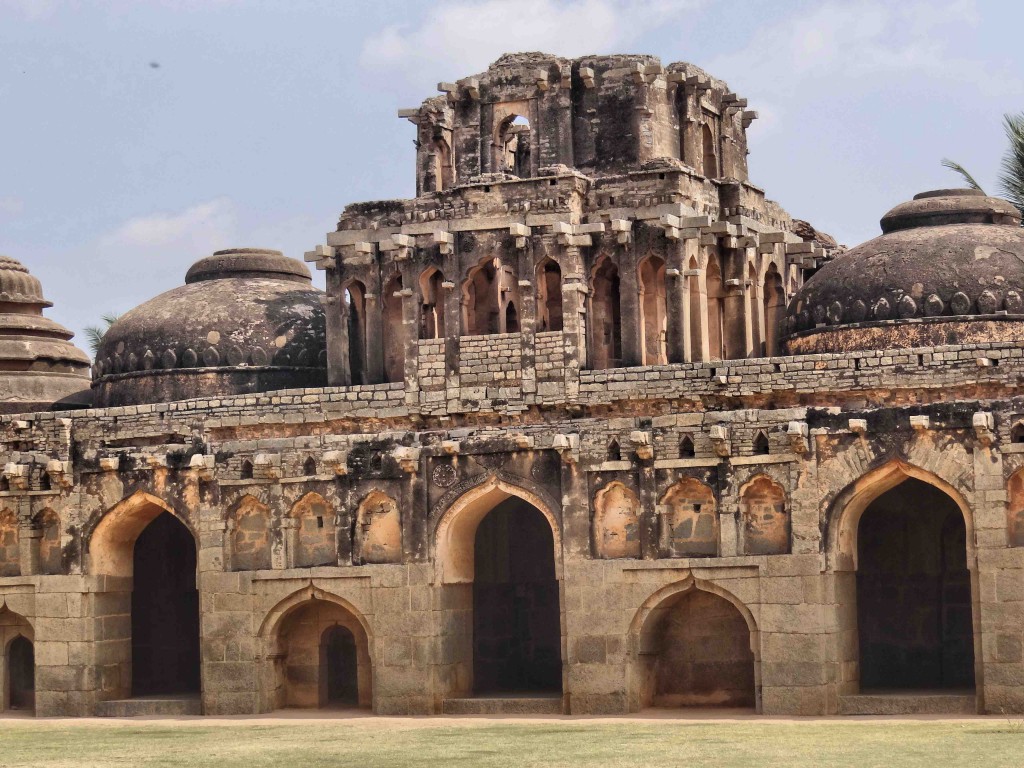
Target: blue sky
x: 264, y: 118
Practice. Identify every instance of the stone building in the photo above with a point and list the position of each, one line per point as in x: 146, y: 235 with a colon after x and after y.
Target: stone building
x: 589, y: 425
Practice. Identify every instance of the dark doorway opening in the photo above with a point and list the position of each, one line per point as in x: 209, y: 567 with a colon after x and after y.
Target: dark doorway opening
x: 914, y: 592
x: 165, y: 610
x: 516, y: 619
x: 338, y: 659
x: 21, y: 674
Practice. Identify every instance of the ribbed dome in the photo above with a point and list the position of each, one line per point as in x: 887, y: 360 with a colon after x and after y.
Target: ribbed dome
x: 948, y: 269
x: 247, y: 320
x: 39, y: 367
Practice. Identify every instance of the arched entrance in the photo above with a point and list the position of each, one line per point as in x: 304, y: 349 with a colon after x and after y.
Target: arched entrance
x: 21, y: 674
x: 165, y: 610
x: 914, y: 616
x: 694, y: 649
x: 321, y: 654
x: 497, y: 560
x: 150, y: 555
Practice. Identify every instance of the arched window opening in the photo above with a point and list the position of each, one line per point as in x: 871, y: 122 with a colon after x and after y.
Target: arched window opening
x: 44, y: 480
x: 1017, y: 432
x: 710, y: 152
x: 614, y: 451
x: 513, y: 146
x: 355, y: 325
x: 444, y: 165
x: 549, y: 296
x: 511, y: 318
x: 605, y: 317
x: 394, y: 331
x: 432, y: 293
x: 686, y: 449
x: 716, y: 311
x: 774, y: 309
x: 21, y: 674
x: 480, y: 300
x: 761, y: 445
x: 653, y: 319
x: 309, y: 467
x: 914, y: 607
x: 246, y: 471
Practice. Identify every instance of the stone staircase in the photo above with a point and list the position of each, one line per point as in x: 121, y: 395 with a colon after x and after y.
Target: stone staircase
x: 151, y: 706
x: 909, y: 703
x: 503, y: 705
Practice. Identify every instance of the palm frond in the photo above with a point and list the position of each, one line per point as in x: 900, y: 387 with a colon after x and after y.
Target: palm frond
x: 1011, y: 175
x: 964, y: 173
x: 95, y: 333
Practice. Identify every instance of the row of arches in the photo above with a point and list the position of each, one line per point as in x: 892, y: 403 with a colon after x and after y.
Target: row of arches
x: 688, y: 520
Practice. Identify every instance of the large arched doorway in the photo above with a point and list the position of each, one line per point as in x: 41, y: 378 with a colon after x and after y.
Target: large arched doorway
x: 516, y: 620
x: 695, y: 650
x: 165, y: 610
x: 21, y: 674
x: 914, y: 614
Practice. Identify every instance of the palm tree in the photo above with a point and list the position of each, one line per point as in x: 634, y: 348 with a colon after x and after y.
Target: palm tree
x: 1011, y: 175
x: 95, y: 333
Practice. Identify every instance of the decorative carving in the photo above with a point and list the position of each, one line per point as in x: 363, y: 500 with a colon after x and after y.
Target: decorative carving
x: 444, y: 475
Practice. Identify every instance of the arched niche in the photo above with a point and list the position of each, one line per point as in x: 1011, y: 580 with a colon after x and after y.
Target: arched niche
x: 605, y: 316
x: 10, y: 544
x: 549, y: 296
x: 709, y: 150
x: 378, y: 530
x: 354, y: 322
x: 764, y: 510
x: 432, y: 295
x: 653, y: 316
x: 296, y: 636
x: 716, y: 309
x: 616, y: 522
x: 316, y: 537
x: 513, y: 144
x: 1015, y: 509
x: 693, y: 643
x: 249, y: 535
x: 774, y: 298
x: 17, y: 665
x: 694, y: 291
x: 481, y: 314
x: 688, y: 520
x: 394, y: 330
x: 48, y: 556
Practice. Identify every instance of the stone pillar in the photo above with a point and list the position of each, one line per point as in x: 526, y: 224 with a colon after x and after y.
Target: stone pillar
x: 336, y: 315
x: 676, y: 302
x: 737, y: 335
x: 410, y: 329
x: 629, y: 307
x: 574, y: 290
x: 648, y: 486
x: 374, y: 337
x: 528, y: 320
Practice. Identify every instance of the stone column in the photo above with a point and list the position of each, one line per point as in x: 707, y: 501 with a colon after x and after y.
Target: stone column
x: 574, y: 290
x: 528, y: 320
x: 336, y: 315
x: 737, y: 334
x: 410, y: 329
x: 676, y: 302
x: 629, y: 307
x: 647, y: 483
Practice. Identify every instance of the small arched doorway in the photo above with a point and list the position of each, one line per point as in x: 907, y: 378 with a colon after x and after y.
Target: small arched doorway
x: 695, y: 650
x: 21, y: 674
x: 165, y: 610
x: 914, y: 605
x: 341, y: 669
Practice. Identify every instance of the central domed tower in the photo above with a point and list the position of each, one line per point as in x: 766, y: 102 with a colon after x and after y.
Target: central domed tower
x: 947, y: 269
x: 246, y: 320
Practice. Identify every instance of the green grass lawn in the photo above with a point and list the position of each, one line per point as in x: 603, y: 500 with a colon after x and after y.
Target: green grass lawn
x: 369, y: 743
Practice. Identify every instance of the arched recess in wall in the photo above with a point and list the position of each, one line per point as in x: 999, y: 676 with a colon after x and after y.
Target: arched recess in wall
x: 716, y: 309
x: 605, y: 317
x: 248, y: 534
x: 354, y: 307
x: 764, y: 511
x: 688, y: 520
x: 653, y: 317
x: 48, y: 549
x: 1015, y: 509
x: 693, y: 643
x: 549, y: 296
x: 481, y: 314
x: 444, y: 162
x: 10, y: 544
x: 616, y: 522
x: 315, y: 532
x: 432, y: 294
x: 774, y: 298
x: 394, y: 330
x: 709, y: 152
x: 693, y: 290
x: 378, y: 535
x: 18, y: 660
x: 320, y: 647
x: 513, y: 146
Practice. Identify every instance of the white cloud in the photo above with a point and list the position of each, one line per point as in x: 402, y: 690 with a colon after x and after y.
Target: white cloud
x: 201, y: 229
x: 459, y: 37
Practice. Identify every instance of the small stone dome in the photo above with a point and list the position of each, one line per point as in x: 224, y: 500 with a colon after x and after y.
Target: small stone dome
x: 39, y: 367
x: 947, y: 269
x: 246, y: 320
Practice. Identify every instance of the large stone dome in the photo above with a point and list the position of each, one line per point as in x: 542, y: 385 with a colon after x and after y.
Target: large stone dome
x: 246, y: 320
x: 948, y: 269
x: 39, y: 367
